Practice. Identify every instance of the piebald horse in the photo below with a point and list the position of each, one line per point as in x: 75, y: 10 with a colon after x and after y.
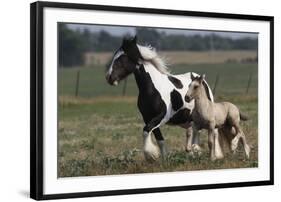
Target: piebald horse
x: 161, y: 94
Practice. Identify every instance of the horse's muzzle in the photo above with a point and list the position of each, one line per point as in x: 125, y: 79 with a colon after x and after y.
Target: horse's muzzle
x: 110, y: 80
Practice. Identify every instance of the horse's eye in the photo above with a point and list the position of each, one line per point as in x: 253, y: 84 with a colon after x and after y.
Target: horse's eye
x: 195, y: 87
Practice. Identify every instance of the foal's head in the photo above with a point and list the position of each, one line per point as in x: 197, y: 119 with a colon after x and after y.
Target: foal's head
x: 195, y: 88
x: 124, y: 61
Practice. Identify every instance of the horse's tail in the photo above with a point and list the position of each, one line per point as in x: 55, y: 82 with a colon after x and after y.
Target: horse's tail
x: 243, y: 117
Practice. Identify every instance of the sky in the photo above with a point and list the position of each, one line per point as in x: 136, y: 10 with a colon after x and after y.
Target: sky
x: 119, y: 31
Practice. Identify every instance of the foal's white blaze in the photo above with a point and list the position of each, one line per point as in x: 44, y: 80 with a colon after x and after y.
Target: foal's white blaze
x: 116, y: 56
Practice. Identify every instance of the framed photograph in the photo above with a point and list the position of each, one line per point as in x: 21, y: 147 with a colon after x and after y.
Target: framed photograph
x: 135, y: 100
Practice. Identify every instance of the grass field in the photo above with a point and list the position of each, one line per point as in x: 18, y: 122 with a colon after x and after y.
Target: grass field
x: 104, y: 136
x: 100, y: 132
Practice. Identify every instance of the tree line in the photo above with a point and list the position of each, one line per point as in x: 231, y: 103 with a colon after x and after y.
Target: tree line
x: 74, y: 43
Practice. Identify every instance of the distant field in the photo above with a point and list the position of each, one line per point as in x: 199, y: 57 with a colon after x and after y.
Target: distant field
x: 233, y: 79
x: 182, y: 57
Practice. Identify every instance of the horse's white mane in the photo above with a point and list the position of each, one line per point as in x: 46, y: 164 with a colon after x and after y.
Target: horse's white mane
x: 149, y: 54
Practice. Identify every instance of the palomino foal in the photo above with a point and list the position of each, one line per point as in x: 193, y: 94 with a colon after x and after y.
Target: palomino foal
x: 212, y: 116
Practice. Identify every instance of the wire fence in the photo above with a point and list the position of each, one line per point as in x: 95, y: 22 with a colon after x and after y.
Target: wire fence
x: 90, y: 82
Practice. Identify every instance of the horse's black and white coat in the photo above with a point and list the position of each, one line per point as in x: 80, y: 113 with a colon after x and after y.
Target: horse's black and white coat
x: 161, y: 97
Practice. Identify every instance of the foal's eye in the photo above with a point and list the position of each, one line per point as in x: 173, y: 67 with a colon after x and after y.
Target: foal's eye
x: 195, y: 87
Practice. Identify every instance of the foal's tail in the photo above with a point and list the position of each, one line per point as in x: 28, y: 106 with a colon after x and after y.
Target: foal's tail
x: 243, y: 117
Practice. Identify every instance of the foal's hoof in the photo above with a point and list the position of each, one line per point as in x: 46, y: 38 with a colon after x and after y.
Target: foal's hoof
x: 196, y: 149
x: 219, y: 157
x: 234, y: 145
x: 188, y: 149
x: 247, y: 151
x: 213, y: 158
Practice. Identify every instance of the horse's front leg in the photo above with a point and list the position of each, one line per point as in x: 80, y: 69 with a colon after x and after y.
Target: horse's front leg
x: 151, y: 151
x: 160, y: 141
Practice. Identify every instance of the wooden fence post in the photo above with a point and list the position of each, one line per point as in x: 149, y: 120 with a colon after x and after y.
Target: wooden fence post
x: 124, y: 87
x: 249, y: 83
x: 77, y: 83
x: 216, y: 83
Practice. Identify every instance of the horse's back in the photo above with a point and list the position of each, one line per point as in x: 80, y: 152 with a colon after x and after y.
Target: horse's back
x: 226, y: 111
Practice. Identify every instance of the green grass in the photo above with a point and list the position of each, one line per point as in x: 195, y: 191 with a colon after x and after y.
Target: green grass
x: 104, y: 136
x: 233, y: 79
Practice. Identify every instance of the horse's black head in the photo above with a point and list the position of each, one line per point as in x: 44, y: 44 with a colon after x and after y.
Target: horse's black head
x: 124, y: 61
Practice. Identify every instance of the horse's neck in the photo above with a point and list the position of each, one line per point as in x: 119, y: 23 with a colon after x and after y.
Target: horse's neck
x: 152, y: 70
x: 202, y: 103
x: 144, y: 73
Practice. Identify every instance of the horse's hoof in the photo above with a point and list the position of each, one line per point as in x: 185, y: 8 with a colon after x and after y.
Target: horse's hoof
x: 151, y: 156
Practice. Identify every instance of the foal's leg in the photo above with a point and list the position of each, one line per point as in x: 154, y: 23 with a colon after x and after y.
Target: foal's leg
x: 192, y: 139
x: 211, y: 143
x: 235, y: 140
x: 160, y: 141
x: 196, y: 140
x: 189, y: 138
x: 246, y: 147
x: 218, y: 150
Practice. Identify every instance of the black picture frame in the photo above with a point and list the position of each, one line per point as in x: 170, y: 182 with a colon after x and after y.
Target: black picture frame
x: 36, y: 98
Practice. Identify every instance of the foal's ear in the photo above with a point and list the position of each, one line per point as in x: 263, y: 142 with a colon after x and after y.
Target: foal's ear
x: 202, y: 78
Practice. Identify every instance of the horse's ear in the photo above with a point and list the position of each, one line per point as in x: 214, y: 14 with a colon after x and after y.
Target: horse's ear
x: 125, y: 43
x: 135, y: 39
x: 192, y: 76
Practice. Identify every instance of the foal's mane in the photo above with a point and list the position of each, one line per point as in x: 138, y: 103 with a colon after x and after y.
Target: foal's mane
x: 148, y: 53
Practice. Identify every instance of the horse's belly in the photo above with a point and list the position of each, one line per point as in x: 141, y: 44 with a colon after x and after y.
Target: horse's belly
x: 181, y: 117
